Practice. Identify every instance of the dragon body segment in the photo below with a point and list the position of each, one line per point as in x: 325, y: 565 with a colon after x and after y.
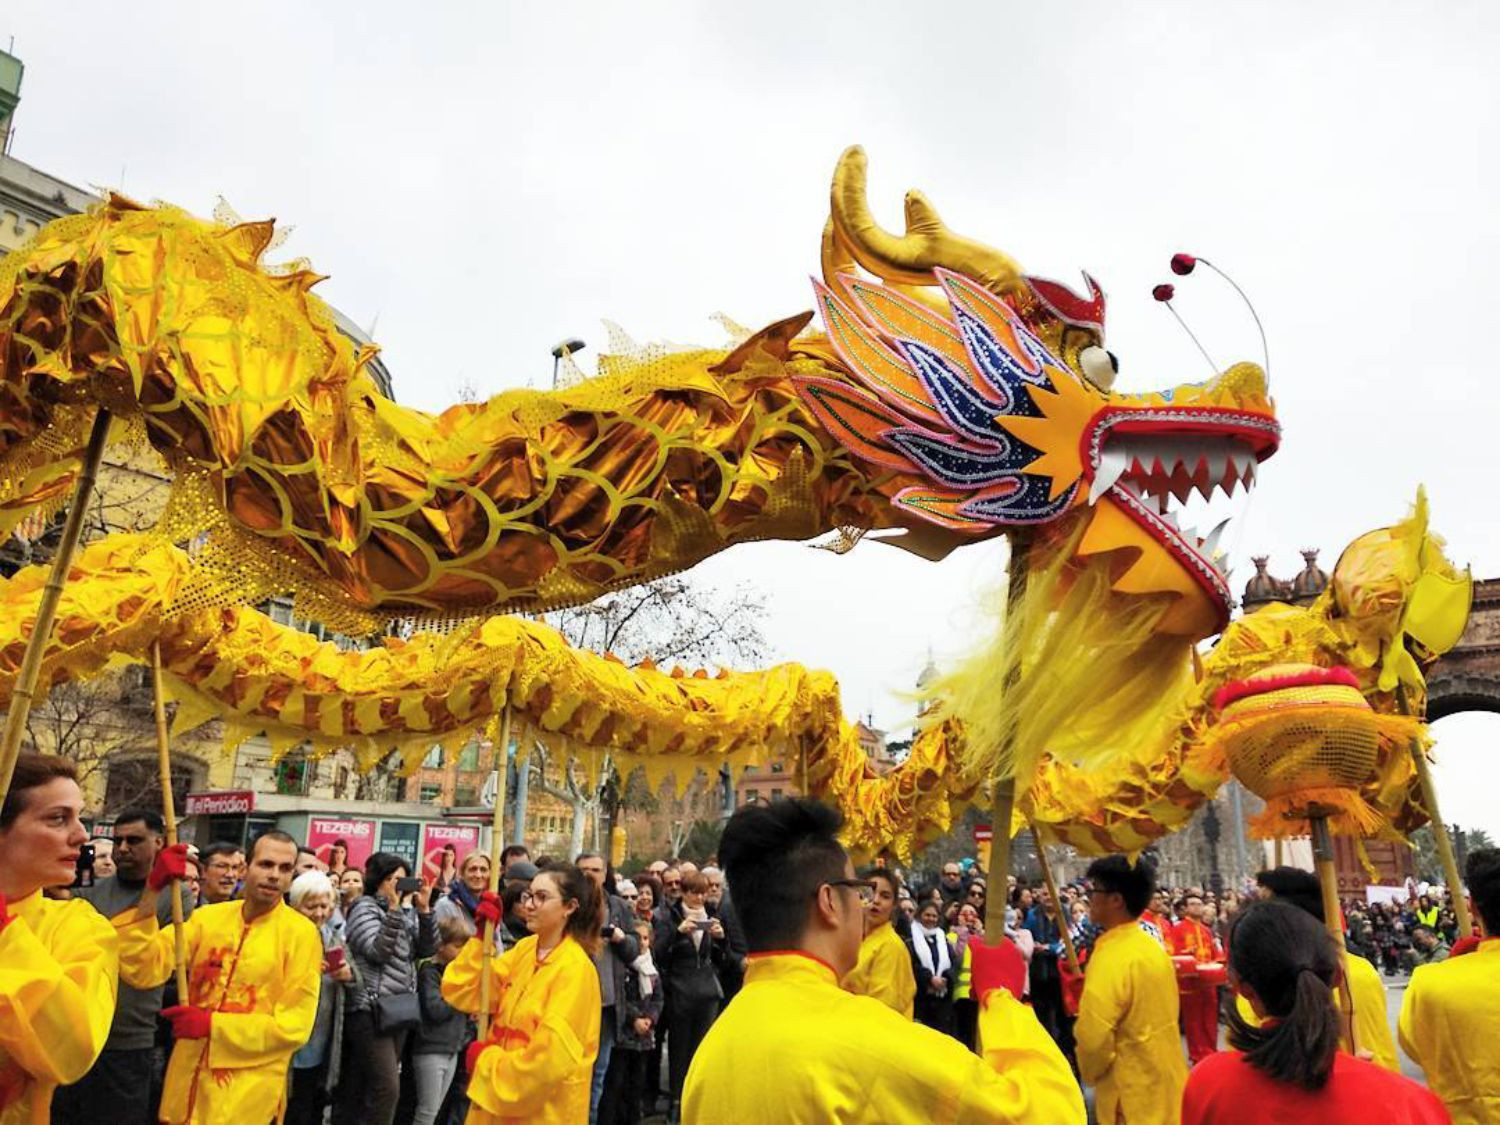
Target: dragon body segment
x: 948, y: 398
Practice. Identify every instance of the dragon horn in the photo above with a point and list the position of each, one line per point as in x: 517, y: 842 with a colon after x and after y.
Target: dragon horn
x: 907, y: 259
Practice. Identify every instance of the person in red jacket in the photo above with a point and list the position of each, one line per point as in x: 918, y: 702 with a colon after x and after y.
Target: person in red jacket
x: 1291, y: 1069
x: 1198, y: 995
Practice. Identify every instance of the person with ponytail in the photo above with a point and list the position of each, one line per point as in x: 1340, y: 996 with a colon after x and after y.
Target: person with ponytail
x: 536, y: 1064
x: 1290, y: 1067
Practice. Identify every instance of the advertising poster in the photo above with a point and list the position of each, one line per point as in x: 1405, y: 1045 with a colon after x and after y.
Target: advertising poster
x: 436, y: 838
x: 356, y: 835
x: 401, y: 839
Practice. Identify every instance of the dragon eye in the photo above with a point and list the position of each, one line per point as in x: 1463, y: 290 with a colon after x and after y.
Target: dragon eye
x: 1099, y: 366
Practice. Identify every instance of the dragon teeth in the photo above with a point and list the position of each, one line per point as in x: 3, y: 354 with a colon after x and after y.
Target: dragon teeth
x: 1112, y: 465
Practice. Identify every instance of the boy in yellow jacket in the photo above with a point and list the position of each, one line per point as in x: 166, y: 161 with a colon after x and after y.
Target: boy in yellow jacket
x: 794, y: 1046
x: 1450, y: 1017
x: 883, y: 970
x: 57, y: 959
x: 254, y: 969
x: 1128, y: 1044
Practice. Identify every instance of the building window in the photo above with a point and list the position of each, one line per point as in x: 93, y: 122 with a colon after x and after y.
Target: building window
x: 775, y: 794
x: 434, y: 759
x: 468, y: 757
x: 292, y: 775
x: 430, y: 794
x: 465, y: 796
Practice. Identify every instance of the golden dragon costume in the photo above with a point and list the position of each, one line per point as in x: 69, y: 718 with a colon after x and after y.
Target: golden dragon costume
x: 949, y: 398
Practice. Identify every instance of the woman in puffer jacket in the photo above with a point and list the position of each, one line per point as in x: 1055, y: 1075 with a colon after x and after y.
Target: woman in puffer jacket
x: 387, y: 932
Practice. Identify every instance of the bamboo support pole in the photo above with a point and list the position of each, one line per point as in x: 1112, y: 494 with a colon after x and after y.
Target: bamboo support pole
x: 1004, y: 800
x: 1444, y: 844
x: 1333, y: 918
x: 169, y: 815
x: 497, y: 845
x: 46, y: 610
x: 1062, y: 921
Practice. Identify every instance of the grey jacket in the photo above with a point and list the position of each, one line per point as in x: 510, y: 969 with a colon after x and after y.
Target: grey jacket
x: 615, y: 957
x: 386, y: 945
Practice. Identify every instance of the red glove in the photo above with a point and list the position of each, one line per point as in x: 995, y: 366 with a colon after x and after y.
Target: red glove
x: 489, y: 909
x: 171, y: 863
x: 471, y: 1056
x: 1072, y: 986
x: 1460, y: 947
x: 189, y: 1022
x: 996, y: 966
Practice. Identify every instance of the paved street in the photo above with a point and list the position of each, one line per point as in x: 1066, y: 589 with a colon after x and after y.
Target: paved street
x: 1395, y: 990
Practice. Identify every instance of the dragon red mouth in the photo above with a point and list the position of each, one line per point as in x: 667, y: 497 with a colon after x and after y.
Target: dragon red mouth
x: 1168, y: 468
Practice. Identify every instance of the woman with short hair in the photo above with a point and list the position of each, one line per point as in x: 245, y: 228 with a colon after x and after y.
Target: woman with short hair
x: 1290, y: 1068
x: 59, y: 961
x: 315, y: 1070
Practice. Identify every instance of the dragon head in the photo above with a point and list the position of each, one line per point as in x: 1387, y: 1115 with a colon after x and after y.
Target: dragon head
x: 982, y: 400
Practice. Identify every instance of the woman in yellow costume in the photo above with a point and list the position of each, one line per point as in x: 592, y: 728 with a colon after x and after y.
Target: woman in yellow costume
x: 58, y: 963
x: 537, y: 1061
x: 884, y: 966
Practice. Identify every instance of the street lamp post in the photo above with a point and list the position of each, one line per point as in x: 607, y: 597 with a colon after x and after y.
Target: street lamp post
x: 568, y: 347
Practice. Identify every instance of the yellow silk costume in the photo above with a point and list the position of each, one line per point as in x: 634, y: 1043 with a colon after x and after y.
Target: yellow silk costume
x: 1128, y: 1044
x: 883, y: 971
x: 546, y: 1026
x: 260, y: 980
x: 1372, y: 1030
x: 1450, y: 1026
x: 797, y: 1049
x: 58, y: 973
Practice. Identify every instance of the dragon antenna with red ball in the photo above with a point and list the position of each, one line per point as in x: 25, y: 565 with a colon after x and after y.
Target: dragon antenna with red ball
x: 1182, y: 265
x: 1164, y: 293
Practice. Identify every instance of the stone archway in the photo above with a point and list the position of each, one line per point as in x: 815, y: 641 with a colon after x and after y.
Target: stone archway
x: 1468, y: 677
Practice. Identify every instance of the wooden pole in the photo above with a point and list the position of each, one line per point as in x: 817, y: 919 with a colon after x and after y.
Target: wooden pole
x: 1333, y: 917
x: 46, y: 610
x: 1278, y: 847
x: 1444, y: 844
x: 1062, y: 922
x: 497, y: 845
x: 1001, y: 811
x: 1004, y: 800
x: 169, y: 816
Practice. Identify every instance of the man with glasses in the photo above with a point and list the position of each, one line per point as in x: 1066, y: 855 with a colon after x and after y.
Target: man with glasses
x: 222, y: 865
x: 118, y: 1088
x: 1127, y: 1039
x: 951, y: 886
x: 794, y: 1046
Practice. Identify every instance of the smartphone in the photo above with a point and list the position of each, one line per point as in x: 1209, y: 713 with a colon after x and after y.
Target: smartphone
x: 409, y: 885
x: 704, y: 923
x: 83, y: 871
x: 607, y: 932
x: 335, y: 958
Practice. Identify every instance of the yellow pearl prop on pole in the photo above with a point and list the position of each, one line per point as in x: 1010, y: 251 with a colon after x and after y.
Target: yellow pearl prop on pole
x: 497, y: 845
x: 169, y: 815
x: 46, y: 610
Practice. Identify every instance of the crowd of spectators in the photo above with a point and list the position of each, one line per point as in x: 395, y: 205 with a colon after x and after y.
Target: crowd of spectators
x: 672, y: 956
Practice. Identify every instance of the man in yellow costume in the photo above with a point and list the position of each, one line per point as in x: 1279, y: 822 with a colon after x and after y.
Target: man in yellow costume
x: 1128, y: 1045
x: 883, y: 970
x: 57, y: 959
x: 1450, y: 1018
x: 1372, y: 1029
x: 795, y: 1047
x: 253, y: 979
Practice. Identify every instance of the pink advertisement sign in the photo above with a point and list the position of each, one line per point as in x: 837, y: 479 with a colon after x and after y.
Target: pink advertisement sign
x: 357, y: 835
x: 436, y: 839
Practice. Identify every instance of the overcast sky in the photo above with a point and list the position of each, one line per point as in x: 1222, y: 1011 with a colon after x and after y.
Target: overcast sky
x: 482, y: 180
